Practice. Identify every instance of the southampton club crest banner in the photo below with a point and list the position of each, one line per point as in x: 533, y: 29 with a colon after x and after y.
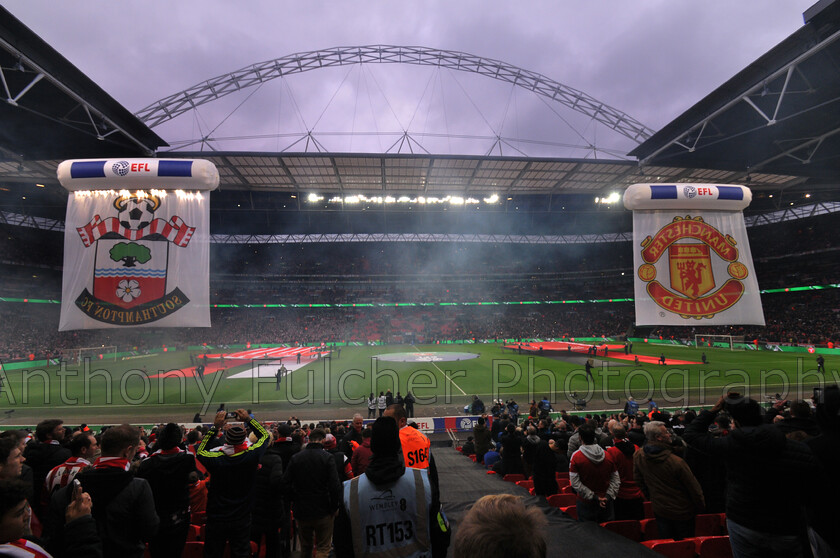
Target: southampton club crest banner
x: 136, y: 257
x: 691, y: 255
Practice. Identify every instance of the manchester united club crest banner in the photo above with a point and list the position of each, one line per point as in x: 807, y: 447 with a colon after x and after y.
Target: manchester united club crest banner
x: 136, y: 257
x: 692, y: 259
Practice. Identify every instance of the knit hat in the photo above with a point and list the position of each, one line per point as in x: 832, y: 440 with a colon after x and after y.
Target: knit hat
x: 385, y: 437
x: 235, y: 435
x: 329, y: 442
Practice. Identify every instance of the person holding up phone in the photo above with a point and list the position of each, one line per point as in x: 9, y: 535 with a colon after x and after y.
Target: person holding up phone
x: 763, y: 468
x: 232, y: 467
x: 77, y: 538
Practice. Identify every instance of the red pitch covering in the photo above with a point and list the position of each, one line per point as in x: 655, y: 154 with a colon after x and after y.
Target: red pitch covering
x: 241, y: 357
x: 602, y: 350
x: 652, y: 359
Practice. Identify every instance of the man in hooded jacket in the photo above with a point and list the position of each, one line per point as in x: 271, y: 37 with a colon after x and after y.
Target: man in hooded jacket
x: 629, y: 504
x: 594, y: 477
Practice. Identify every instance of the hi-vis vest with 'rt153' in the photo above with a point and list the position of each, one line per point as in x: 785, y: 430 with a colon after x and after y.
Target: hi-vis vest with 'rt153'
x: 390, y: 521
x: 415, y: 446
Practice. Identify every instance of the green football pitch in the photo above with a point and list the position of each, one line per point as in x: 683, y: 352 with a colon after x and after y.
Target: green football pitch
x: 443, y: 378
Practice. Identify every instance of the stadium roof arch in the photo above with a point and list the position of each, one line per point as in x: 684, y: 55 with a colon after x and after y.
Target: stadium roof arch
x: 727, y: 137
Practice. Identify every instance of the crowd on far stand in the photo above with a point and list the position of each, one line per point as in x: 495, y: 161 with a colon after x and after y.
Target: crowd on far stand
x: 33, y: 333
x: 736, y: 458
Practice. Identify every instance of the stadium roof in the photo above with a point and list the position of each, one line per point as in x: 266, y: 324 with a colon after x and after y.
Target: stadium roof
x: 430, y: 175
x: 52, y: 110
x: 780, y: 115
x: 57, y: 113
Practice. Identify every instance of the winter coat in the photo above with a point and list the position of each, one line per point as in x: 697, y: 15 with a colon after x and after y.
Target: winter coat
x: 123, y: 507
x: 763, y: 468
x: 482, y: 439
x: 269, y: 506
x: 311, y: 483
x: 622, y: 455
x: 668, y: 482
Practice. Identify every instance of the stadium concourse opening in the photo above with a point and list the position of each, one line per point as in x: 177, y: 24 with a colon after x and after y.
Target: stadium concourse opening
x: 577, y: 350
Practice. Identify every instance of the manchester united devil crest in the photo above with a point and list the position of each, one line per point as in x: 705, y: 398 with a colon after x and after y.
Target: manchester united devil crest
x: 692, y: 247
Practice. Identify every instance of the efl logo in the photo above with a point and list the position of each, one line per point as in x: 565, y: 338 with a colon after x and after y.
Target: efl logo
x: 122, y: 168
x: 691, y: 245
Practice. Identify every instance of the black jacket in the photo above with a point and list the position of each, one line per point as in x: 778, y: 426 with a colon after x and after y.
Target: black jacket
x: 763, y: 469
x: 822, y: 509
x: 77, y: 539
x: 229, y: 494
x: 311, y: 483
x: 123, y: 507
x: 168, y: 476
x: 483, y: 441
x: 346, y: 446
x: 42, y: 457
x: 269, y: 505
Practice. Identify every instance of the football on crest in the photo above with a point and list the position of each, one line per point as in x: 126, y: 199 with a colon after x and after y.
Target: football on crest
x: 137, y: 213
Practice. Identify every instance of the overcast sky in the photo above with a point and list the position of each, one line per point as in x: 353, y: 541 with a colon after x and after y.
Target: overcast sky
x: 649, y: 59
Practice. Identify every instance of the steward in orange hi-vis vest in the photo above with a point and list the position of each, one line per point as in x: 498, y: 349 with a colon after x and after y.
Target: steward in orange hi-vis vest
x: 415, y: 446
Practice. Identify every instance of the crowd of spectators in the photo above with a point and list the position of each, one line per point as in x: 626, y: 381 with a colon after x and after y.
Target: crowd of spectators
x: 422, y: 273
x: 737, y: 458
x: 792, y: 318
x: 125, y: 491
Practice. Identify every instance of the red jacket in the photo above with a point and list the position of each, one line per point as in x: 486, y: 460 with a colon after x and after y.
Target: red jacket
x: 361, y: 458
x: 624, y: 463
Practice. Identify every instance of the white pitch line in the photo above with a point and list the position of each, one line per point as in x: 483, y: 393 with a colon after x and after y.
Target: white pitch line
x: 442, y: 373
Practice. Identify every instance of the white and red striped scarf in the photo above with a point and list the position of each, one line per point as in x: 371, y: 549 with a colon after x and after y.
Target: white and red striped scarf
x: 112, y: 463
x: 61, y: 475
x: 24, y: 549
x: 170, y: 451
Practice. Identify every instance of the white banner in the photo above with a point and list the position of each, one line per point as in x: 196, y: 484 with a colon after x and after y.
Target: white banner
x: 136, y: 259
x: 692, y: 266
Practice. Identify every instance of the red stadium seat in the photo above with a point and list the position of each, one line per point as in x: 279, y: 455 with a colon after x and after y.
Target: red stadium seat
x: 526, y: 484
x: 193, y: 549
x: 458, y: 448
x: 514, y: 477
x: 723, y: 529
x: 563, y: 482
x: 472, y: 456
x: 491, y: 472
x: 562, y: 475
x: 571, y: 511
x: 707, y: 525
x: 194, y: 534
x: 648, y: 510
x: 562, y: 500
x: 567, y: 490
x: 629, y: 529
x: 671, y: 548
x: 650, y: 531
x: 713, y: 547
